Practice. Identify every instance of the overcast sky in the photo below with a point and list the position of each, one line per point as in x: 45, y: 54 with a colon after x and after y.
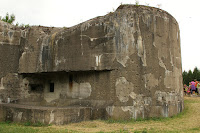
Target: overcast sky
x: 66, y: 13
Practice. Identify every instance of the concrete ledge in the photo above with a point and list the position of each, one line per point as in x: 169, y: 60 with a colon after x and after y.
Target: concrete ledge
x: 46, y: 115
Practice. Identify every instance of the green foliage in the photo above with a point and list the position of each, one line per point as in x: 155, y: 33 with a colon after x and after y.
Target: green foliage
x: 184, y: 74
x: 196, y: 73
x: 9, y: 18
x: 8, y: 122
x: 17, y: 24
x: 195, y: 129
x: 137, y: 3
x: 28, y: 123
x: 191, y: 75
x: 22, y: 25
x: 26, y: 26
x: 36, y: 124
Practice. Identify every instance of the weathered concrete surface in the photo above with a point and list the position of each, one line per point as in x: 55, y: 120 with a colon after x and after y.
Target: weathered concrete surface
x: 126, y: 64
x: 10, y: 49
x: 47, y: 115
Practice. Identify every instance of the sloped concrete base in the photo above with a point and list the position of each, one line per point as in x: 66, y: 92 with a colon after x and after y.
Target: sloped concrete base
x: 46, y: 115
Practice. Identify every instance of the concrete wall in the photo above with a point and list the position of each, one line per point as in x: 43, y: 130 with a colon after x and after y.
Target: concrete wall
x: 58, y: 116
x: 9, y: 48
x: 126, y: 64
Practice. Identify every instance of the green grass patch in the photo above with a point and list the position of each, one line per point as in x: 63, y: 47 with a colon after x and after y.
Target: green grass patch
x: 36, y: 124
x: 111, y: 121
x: 191, y: 101
x: 195, y: 129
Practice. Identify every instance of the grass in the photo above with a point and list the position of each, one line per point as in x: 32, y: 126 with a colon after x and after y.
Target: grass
x: 185, y: 122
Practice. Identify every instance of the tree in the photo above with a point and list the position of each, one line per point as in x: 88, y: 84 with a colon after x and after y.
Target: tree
x: 185, y: 77
x: 198, y: 76
x: 195, y: 73
x: 191, y: 75
x: 9, y: 18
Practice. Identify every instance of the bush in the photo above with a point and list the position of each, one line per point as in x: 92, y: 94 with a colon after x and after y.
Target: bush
x: 9, y: 18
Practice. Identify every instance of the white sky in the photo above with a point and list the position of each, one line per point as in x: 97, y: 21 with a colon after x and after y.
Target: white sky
x: 66, y: 13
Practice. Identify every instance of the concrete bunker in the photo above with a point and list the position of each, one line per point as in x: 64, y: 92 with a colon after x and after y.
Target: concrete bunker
x: 124, y: 65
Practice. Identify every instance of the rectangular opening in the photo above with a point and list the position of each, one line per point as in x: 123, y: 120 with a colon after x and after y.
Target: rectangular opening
x: 70, y: 81
x: 51, y: 85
